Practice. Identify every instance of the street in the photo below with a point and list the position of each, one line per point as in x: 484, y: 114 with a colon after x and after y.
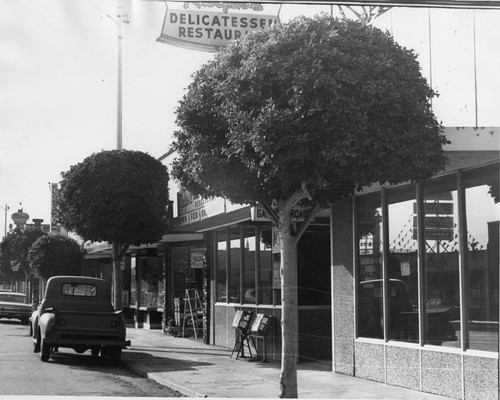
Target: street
x: 67, y: 373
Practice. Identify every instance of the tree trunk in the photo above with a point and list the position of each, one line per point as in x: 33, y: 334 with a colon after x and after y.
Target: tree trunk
x: 118, y: 254
x: 289, y: 307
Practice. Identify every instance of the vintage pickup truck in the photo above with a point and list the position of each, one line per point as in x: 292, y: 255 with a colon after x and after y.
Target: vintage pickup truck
x: 77, y: 313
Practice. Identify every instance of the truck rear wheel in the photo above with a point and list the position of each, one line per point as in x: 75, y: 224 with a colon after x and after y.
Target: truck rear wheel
x: 113, y: 352
x: 45, y: 351
x: 36, y: 344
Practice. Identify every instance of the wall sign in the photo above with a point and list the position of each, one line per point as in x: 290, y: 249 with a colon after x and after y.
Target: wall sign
x: 208, y: 26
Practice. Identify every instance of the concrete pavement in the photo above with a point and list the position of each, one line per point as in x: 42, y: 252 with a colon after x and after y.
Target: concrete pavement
x: 198, y: 370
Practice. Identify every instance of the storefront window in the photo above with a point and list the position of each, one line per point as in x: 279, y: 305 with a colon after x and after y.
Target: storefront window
x: 460, y: 215
x: 442, y: 273
x: 249, y: 254
x: 481, y: 297
x: 369, y: 255
x: 402, y: 271
x: 235, y: 265
x: 266, y: 272
x: 150, y: 276
x: 220, y: 263
x: 180, y: 262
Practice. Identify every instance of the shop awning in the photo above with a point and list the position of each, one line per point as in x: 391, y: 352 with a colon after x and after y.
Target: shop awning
x: 457, y: 160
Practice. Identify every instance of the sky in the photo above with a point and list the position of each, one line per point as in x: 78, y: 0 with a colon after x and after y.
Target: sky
x: 58, y: 81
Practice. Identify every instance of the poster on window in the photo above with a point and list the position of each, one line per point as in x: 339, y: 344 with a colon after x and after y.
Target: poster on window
x: 197, y: 256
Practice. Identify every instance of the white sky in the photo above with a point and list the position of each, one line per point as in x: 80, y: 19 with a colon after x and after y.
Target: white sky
x: 58, y: 82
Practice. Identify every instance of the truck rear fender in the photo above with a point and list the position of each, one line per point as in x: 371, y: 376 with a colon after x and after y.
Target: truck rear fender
x: 46, y: 323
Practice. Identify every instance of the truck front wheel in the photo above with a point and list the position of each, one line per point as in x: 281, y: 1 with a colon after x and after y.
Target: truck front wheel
x: 45, y: 353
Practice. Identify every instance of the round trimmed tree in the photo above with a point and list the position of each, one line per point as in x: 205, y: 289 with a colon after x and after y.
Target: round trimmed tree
x: 53, y: 255
x: 14, y: 249
x: 305, y: 114
x: 119, y: 197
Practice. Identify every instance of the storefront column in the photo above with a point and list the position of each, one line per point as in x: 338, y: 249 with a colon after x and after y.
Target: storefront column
x: 342, y: 281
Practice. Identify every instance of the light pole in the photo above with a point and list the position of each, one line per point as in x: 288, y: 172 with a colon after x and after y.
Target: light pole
x: 6, y: 208
x: 120, y: 19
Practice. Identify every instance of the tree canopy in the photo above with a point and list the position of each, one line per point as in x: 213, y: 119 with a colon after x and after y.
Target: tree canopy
x: 53, y: 255
x: 14, y: 248
x: 116, y: 196
x: 326, y: 104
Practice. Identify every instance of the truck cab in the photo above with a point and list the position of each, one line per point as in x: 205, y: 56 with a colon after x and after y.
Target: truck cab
x: 76, y: 312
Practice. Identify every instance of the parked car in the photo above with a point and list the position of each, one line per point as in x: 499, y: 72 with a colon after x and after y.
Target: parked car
x: 13, y: 305
x: 76, y: 312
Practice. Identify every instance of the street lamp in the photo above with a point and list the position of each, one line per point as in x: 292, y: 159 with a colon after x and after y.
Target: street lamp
x: 120, y: 19
x: 6, y: 208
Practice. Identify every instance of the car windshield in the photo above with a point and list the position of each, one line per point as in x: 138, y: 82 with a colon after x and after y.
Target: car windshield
x: 13, y: 298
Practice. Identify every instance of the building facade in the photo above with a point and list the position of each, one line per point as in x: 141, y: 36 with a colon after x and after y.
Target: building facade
x: 419, y: 267
x: 399, y: 285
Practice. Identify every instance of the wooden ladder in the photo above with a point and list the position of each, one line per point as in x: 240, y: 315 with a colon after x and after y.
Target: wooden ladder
x: 192, y: 308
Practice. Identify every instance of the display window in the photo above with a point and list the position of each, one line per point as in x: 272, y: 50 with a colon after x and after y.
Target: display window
x: 427, y: 264
x: 401, y: 269
x: 247, y: 264
x: 482, y: 264
x: 220, y: 262
x: 441, y: 291
x: 370, y: 312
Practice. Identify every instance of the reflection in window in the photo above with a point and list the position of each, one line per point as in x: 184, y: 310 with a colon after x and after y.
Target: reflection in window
x: 483, y: 216
x: 402, y: 272
x: 241, y: 257
x: 442, y: 278
x: 370, y: 286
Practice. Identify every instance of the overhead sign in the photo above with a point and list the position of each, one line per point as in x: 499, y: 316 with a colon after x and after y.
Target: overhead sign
x: 191, y: 208
x: 439, y: 222
x: 208, y: 26
x: 197, y: 258
x: 297, y: 213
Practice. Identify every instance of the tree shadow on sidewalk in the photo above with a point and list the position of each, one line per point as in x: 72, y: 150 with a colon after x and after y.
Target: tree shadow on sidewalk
x: 147, y: 362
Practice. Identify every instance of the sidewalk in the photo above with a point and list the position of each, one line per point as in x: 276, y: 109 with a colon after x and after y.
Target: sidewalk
x: 198, y: 370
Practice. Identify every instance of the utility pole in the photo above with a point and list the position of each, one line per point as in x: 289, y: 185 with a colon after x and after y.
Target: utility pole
x: 6, y: 208
x: 121, y: 18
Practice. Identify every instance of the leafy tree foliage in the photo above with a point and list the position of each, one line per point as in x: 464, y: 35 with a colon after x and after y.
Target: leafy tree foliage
x: 116, y: 196
x: 14, y: 248
x: 53, y: 255
x: 306, y: 113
